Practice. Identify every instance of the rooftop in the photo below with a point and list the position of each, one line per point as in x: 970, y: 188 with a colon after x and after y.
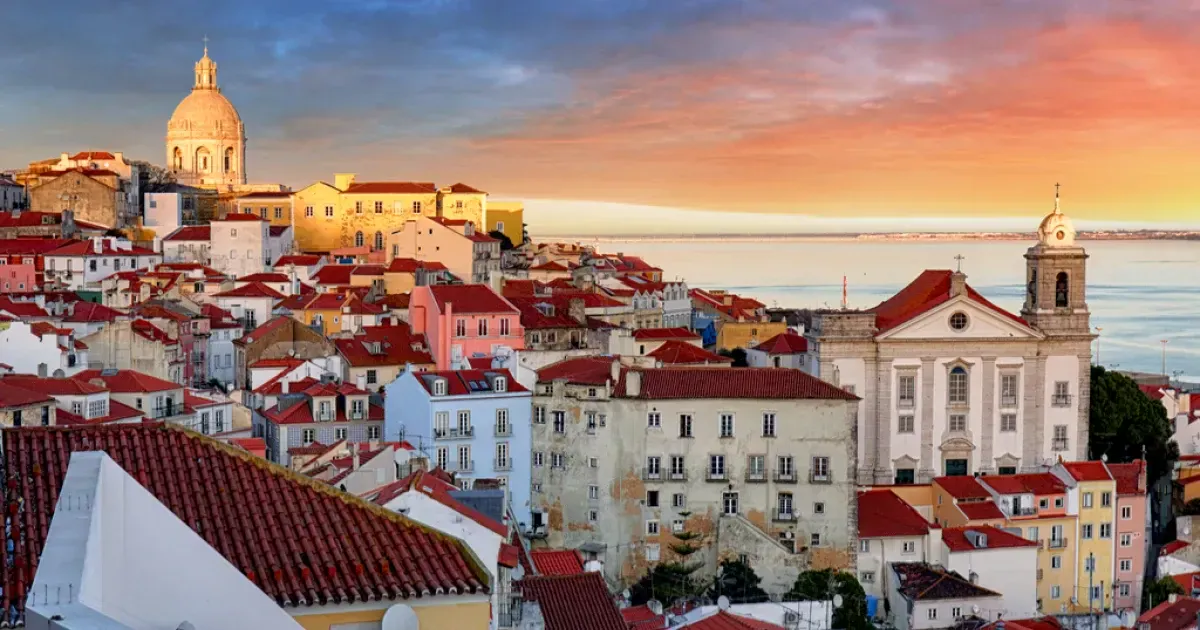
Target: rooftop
x: 469, y: 298
x: 674, y: 352
x: 556, y: 561
x: 883, y: 514
x: 719, y: 382
x: 573, y: 602
x: 918, y: 581
x: 962, y: 538
x: 126, y: 381
x: 962, y: 487
x: 1039, y: 484
x: 981, y: 510
x: 391, y: 344
x: 467, y: 382
x: 1087, y: 471
x: 652, y: 334
x: 927, y: 291
x: 784, y: 343
x: 1172, y: 615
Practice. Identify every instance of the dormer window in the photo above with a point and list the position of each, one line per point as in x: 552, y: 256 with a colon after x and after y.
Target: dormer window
x: 439, y: 387
x: 501, y: 384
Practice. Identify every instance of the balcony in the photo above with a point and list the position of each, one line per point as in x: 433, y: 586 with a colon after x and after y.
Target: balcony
x: 503, y: 431
x: 465, y: 466
x: 1008, y: 401
x: 1061, y: 400
x: 677, y: 475
x: 819, y: 477
x: 785, y: 515
x: 756, y: 476
x: 1025, y: 511
x: 504, y: 463
x: 454, y: 433
x: 356, y: 414
x: 787, y: 476
x: 717, y: 475
x: 906, y: 403
x: 325, y: 415
x: 1039, y: 575
x: 1059, y: 444
x: 1058, y: 543
x: 652, y: 474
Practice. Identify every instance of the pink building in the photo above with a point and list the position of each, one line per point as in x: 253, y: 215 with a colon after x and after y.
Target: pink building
x: 462, y: 321
x: 18, y: 278
x: 1133, y: 533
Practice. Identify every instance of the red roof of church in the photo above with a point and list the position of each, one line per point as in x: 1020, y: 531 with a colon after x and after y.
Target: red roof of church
x: 930, y: 289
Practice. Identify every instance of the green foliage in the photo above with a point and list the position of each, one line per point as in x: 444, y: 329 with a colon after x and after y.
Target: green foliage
x: 1124, y: 420
x: 1159, y: 590
x: 823, y: 585
x: 668, y: 582
x: 738, y: 582
x: 505, y: 242
x: 738, y: 355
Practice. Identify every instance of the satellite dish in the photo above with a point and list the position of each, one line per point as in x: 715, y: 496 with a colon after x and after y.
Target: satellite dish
x: 837, y: 601
x: 975, y: 610
x: 400, y: 617
x: 723, y: 602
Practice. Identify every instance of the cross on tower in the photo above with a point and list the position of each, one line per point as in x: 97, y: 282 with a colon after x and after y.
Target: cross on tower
x: 206, y: 43
x: 960, y: 258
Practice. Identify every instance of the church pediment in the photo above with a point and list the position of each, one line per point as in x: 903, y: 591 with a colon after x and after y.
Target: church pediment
x: 962, y: 318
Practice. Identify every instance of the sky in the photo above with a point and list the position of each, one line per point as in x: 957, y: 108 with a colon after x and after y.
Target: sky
x: 604, y: 114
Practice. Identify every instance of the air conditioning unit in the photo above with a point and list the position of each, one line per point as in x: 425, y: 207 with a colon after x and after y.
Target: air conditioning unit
x: 790, y: 618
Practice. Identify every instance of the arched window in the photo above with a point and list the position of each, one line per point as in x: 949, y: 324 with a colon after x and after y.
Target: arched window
x: 202, y: 164
x: 228, y: 159
x: 358, y: 239
x: 958, y: 389
x: 1062, y: 290
x: 379, y: 241
x: 177, y: 158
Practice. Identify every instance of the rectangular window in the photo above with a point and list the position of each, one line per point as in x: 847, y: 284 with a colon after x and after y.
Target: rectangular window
x: 652, y: 553
x: 651, y: 528
x: 560, y: 421
x: 1124, y: 590
x: 864, y: 545
x: 1106, y: 530
x: 867, y: 577
x: 679, y: 500
x: 785, y: 468
x: 1060, y: 437
x: 339, y: 433
x: 716, y: 466
x: 726, y: 425
x: 1126, y: 512
x: 818, y: 508
x: 329, y: 211
x: 768, y: 424
x: 308, y: 211
x: 594, y: 492
x: 932, y: 614
x: 652, y: 498
x: 1126, y: 565
x: 653, y: 467
x: 957, y: 390
x: 1089, y: 564
x: 1126, y: 540
x: 538, y: 460
x: 1085, y: 532
x: 278, y: 213
x: 308, y: 436
x: 504, y: 329
x: 685, y: 425
x: 756, y: 468
x: 416, y: 207
x: 502, y: 459
x: 729, y: 503
x: 1087, y: 499
x: 1008, y: 422
x: 539, y: 415
x: 906, y: 391
x: 1105, y: 499
x: 678, y: 468
x: 820, y: 470
x: 958, y: 422
x: 1058, y: 502
x: 1055, y: 562
x: 483, y: 328
x: 372, y: 377
x: 460, y: 328
x: 1062, y: 394
x: 909, y: 547
x: 905, y: 476
x: 905, y: 423
x: 378, y: 207
x: 1055, y: 592
x: 654, y: 420
x: 593, y: 515
x: 357, y: 207
x: 593, y: 462
x: 1008, y: 390
x: 373, y: 432
x: 783, y: 504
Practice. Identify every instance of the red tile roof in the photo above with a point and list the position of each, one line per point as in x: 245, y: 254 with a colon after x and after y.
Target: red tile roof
x: 411, y: 265
x: 85, y: 248
x: 470, y: 298
x: 265, y: 277
x: 191, y: 233
x: 955, y: 538
x: 252, y: 290
x: 1172, y: 547
x: 396, y: 343
x: 556, y: 561
x: 980, y: 510
x: 962, y: 487
x: 580, y: 371
x: 127, y: 381
x: 53, y: 386
x: 93, y: 155
x: 13, y: 396
x: 1154, y: 392
x: 930, y: 289
x: 784, y: 343
x: 656, y: 334
x: 147, y: 330
x: 1129, y: 477
x: 724, y: 620
x: 458, y: 381
x: 552, y: 265
x: 463, y: 188
x: 642, y: 618
x: 1189, y: 581
x: 543, y: 314
x: 1039, y: 484
x: 33, y: 218
x: 883, y: 514
x: 718, y: 382
x: 31, y: 246
x: 675, y: 352
x: 391, y: 188
x: 1087, y: 471
x: 266, y: 194
x: 573, y: 602
x: 21, y: 309
x: 91, y: 312
x: 336, y: 275
x: 235, y: 216
x: 1177, y: 615
x: 301, y: 542
x: 117, y: 412
x: 299, y: 260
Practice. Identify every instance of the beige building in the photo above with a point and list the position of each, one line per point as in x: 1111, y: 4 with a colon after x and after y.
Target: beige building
x: 472, y: 256
x: 952, y: 384
x: 753, y: 462
x: 206, y: 140
x: 275, y: 207
x: 95, y: 196
x: 136, y: 345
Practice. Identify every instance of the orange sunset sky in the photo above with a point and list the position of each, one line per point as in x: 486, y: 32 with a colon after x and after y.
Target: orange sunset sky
x: 832, y: 109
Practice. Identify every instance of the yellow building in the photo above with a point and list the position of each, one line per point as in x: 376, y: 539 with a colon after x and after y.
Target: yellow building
x: 277, y: 208
x: 740, y: 322
x: 1095, y: 492
x: 317, y: 225
x: 465, y: 203
x: 507, y: 217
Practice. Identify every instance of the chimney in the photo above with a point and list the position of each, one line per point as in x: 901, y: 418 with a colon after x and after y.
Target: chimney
x: 1172, y: 598
x: 361, y: 381
x: 354, y: 454
x: 97, y: 244
x: 295, y: 281
x: 342, y: 181
x: 633, y: 383
x: 615, y: 371
x: 958, y: 284
x: 576, y: 310
x: 286, y: 385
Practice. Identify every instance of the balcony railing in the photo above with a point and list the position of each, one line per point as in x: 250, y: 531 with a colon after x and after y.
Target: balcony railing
x: 504, y: 463
x: 325, y: 415
x: 1061, y: 400
x: 1058, y: 543
x: 1008, y: 401
x: 465, y: 466
x: 1039, y: 575
x: 503, y: 431
x: 819, y: 477
x: 783, y: 515
x: 677, y: 475
x: 356, y: 414
x: 1059, y: 444
x: 906, y: 403
x: 717, y: 475
x: 785, y: 476
x: 756, y: 476
x: 1025, y: 511
x: 452, y: 433
x: 652, y: 474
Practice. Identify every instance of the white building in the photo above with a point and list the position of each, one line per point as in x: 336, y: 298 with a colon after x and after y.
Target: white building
x: 243, y: 244
x: 12, y: 195
x: 927, y: 596
x: 304, y: 266
x: 78, y: 402
x: 785, y: 350
x: 41, y: 348
x: 953, y: 384
x: 890, y: 530
x: 188, y: 244
x: 81, y: 265
x: 163, y: 212
x: 221, y: 350
x: 250, y: 304
x: 998, y: 560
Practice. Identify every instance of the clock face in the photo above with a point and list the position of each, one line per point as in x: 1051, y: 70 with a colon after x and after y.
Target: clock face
x: 1061, y: 235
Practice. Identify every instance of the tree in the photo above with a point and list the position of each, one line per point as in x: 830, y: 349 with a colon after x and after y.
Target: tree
x: 1124, y: 421
x: 667, y: 582
x: 738, y: 355
x: 737, y: 581
x: 153, y: 178
x: 1159, y: 590
x: 505, y: 242
x: 823, y: 585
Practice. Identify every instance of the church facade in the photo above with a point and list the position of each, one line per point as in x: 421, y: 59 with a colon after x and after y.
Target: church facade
x: 206, y: 140
x: 952, y: 384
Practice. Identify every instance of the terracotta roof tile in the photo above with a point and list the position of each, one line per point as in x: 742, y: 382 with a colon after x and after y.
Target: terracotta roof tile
x: 439, y: 490
x: 1177, y: 615
x: 252, y: 290
x: 391, y: 188
x: 93, y: 155
x: 299, y: 260
x: 881, y: 513
x: 1087, y: 471
x: 962, y: 487
x: 1129, y: 477
x: 21, y: 309
x: 542, y: 314
x: 657, y: 334
x: 463, y: 188
x: 724, y: 620
x: 955, y: 538
x: 14, y: 396
x: 53, y: 386
x: 1039, y: 484
x: 574, y: 602
x: 675, y: 352
x: 642, y: 618
x: 923, y: 582
x: 91, y: 312
x: 980, y: 510
x: 127, y: 381
x: 393, y: 344
x: 85, y: 248
x: 235, y: 216
x: 265, y: 277
x: 469, y: 298
x: 718, y: 382
x: 556, y: 561
x: 191, y: 233
x: 301, y: 542
x: 784, y: 343
x: 459, y: 382
x: 930, y: 289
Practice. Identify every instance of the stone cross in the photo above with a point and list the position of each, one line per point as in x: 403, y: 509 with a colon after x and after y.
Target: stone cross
x: 960, y: 258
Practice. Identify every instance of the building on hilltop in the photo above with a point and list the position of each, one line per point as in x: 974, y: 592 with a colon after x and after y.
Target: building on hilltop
x: 206, y: 140
x: 953, y: 384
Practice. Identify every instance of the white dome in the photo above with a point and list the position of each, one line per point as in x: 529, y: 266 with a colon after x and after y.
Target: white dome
x: 208, y: 113
x: 1056, y: 230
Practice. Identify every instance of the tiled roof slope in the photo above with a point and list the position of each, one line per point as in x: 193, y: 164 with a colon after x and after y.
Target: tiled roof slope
x: 881, y: 513
x: 930, y: 289
x: 962, y: 487
x: 1129, y: 477
x: 676, y: 352
x: 924, y: 582
x: 578, y: 371
x: 955, y: 538
x: 762, y: 383
x: 300, y: 541
x: 724, y: 620
x: 556, y: 561
x: 784, y: 343
x: 470, y: 298
x: 574, y: 602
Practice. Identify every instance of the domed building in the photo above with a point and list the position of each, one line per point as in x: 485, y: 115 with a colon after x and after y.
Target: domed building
x: 206, y: 140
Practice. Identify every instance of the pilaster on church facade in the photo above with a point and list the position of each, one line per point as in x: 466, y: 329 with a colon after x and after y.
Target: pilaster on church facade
x: 952, y: 384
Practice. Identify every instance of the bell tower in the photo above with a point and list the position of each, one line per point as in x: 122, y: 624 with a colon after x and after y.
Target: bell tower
x: 1056, y: 278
